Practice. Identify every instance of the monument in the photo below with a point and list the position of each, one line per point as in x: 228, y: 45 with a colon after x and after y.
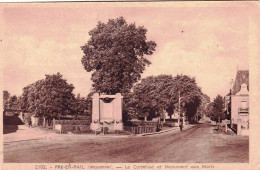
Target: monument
x: 107, y: 111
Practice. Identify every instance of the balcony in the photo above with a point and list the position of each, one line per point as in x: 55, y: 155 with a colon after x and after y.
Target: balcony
x: 243, y: 110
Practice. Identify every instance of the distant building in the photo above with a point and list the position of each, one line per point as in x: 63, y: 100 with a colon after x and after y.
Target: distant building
x: 238, y: 104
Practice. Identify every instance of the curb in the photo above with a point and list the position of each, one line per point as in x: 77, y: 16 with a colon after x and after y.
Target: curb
x: 108, y: 136
x: 22, y: 140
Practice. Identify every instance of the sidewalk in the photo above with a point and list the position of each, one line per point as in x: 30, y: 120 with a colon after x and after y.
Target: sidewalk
x: 24, y: 133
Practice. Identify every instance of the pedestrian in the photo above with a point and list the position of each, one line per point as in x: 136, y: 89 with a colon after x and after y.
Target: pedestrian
x: 30, y: 122
x: 23, y: 116
x: 181, y: 126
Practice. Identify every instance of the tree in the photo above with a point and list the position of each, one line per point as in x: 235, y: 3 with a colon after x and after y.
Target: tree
x: 157, y: 93
x: 50, y: 97
x: 203, y: 108
x: 13, y: 102
x: 10, y: 102
x: 150, y: 97
x: 6, y: 96
x: 80, y: 105
x: 116, y: 55
x: 189, y: 92
x: 216, y: 109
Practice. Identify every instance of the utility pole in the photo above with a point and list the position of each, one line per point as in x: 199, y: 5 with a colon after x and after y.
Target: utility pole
x: 180, y: 116
x: 179, y: 103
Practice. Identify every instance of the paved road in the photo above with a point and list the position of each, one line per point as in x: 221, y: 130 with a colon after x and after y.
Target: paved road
x: 197, y: 144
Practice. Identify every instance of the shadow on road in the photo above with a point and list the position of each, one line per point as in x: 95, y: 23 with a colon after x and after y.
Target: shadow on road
x: 11, y: 124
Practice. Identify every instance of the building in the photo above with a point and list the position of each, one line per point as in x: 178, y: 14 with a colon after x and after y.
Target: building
x: 239, y: 103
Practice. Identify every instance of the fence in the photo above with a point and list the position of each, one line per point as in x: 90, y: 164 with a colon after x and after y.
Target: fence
x: 142, y: 129
x: 75, y: 126
x: 139, y: 127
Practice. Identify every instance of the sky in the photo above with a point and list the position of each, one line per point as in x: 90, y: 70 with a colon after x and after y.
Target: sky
x: 206, y: 42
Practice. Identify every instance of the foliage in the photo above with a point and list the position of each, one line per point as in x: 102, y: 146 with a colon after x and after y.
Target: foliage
x: 190, y: 94
x: 6, y: 96
x: 203, y: 108
x: 11, y: 102
x: 157, y: 93
x: 49, y: 97
x: 216, y: 109
x: 80, y: 105
x: 73, y: 122
x: 115, y: 53
x: 150, y: 97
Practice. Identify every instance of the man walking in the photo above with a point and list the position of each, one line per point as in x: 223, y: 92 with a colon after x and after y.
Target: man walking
x: 30, y: 122
x: 181, y: 125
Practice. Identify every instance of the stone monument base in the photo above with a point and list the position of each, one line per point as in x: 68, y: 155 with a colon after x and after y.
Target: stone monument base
x: 112, y: 126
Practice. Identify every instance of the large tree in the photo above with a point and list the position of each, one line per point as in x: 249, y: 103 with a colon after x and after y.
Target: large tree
x: 216, y: 109
x: 189, y: 92
x: 150, y: 97
x: 116, y: 53
x: 203, y: 108
x: 49, y: 97
x: 157, y: 93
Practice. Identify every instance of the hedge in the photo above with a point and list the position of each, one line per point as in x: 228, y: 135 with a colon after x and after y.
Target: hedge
x: 74, y: 129
x: 144, y: 123
x: 73, y: 122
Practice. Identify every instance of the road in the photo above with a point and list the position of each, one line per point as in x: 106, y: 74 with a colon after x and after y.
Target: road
x: 197, y: 144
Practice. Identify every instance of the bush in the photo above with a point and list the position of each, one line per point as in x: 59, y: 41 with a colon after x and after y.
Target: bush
x: 73, y: 122
x: 75, y: 129
x: 144, y: 123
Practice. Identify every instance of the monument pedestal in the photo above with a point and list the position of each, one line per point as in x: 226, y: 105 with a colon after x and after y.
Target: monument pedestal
x: 107, y: 112
x: 94, y: 126
x: 118, y: 126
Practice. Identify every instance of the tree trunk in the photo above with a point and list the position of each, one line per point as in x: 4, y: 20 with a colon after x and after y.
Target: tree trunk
x: 44, y: 122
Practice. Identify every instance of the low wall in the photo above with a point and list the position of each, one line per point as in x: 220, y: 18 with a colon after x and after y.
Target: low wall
x: 142, y: 129
x: 72, y: 128
x: 73, y: 122
x: 139, y: 127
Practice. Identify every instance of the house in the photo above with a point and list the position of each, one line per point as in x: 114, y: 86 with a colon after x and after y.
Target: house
x: 239, y: 103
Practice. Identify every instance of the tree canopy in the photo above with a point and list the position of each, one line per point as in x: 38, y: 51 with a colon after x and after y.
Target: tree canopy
x: 6, y: 96
x: 203, y: 108
x: 216, y: 109
x: 116, y: 53
x: 10, y: 101
x: 49, y: 97
x: 157, y: 93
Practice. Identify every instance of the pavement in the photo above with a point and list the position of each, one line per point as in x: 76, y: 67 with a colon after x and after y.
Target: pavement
x: 24, y: 133
x: 195, y: 144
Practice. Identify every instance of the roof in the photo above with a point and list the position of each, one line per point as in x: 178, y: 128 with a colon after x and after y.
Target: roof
x: 241, y: 77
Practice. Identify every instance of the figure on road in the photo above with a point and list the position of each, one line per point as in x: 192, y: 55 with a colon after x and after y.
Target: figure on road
x: 181, y: 125
x: 30, y: 122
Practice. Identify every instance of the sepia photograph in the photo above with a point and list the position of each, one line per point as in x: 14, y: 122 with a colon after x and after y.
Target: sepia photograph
x: 128, y: 83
